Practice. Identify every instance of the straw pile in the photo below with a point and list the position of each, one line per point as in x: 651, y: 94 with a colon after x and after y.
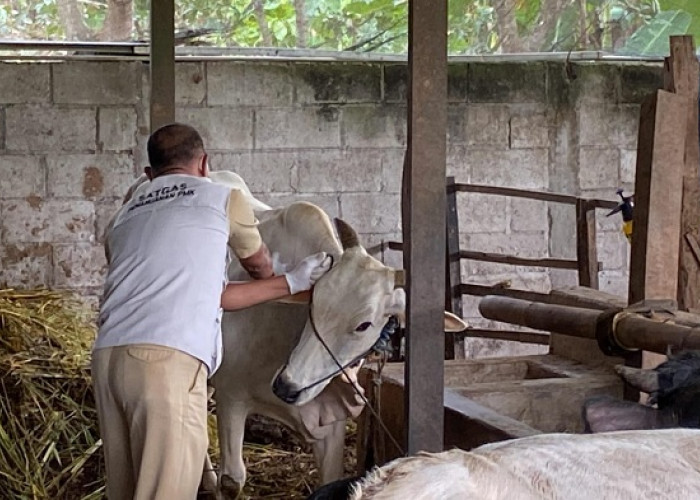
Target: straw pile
x: 49, y: 440
x: 48, y: 426
x: 279, y: 463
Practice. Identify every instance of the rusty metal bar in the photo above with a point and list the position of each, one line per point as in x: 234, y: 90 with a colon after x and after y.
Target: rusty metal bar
x: 162, y: 110
x: 423, y: 216
x: 513, y: 260
x: 565, y: 199
x: 498, y: 258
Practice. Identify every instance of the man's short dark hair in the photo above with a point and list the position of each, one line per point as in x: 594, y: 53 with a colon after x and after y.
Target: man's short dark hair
x: 173, y: 145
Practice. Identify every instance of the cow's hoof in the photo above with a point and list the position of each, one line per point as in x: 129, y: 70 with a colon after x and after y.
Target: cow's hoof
x: 230, y: 488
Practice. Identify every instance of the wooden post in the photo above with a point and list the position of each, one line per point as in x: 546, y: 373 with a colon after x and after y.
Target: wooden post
x: 681, y: 77
x: 162, y: 63
x: 454, y: 344
x: 657, y: 209
x: 586, y: 249
x: 423, y: 216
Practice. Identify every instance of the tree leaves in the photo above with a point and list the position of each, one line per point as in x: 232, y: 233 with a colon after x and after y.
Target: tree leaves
x: 653, y: 38
x: 381, y: 25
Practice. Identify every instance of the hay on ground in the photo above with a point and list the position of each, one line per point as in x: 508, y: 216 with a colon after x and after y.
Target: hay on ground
x: 48, y: 425
x: 49, y: 439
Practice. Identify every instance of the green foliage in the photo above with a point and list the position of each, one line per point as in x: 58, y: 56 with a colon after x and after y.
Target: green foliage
x: 652, y: 38
x: 632, y: 26
x: 692, y: 7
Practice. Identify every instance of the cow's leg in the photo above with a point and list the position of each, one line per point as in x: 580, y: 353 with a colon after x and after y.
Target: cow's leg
x: 231, y: 418
x: 329, y: 453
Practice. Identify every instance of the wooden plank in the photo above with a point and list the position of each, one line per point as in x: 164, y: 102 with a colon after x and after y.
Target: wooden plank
x: 162, y: 107
x: 659, y: 180
x: 657, y: 213
x: 588, y: 297
x: 681, y: 77
x: 424, y: 226
x: 586, y: 245
x: 566, y: 199
x: 454, y: 345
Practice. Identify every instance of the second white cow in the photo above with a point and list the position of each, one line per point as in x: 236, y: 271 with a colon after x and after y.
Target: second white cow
x: 628, y: 465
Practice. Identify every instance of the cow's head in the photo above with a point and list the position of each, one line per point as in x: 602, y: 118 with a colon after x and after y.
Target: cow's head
x: 349, y: 307
x: 674, y: 390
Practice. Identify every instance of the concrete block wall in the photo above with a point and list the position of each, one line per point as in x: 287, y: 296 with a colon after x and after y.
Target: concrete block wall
x: 72, y: 138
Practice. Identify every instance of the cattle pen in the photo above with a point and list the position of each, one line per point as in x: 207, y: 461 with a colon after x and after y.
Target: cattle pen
x: 482, y: 182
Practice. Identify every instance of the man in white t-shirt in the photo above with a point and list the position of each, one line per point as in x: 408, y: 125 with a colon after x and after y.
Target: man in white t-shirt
x: 160, y: 321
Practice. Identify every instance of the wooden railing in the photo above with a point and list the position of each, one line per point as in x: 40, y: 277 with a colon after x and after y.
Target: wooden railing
x: 586, y: 263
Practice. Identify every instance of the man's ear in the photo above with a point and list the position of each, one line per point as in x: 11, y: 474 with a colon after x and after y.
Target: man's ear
x: 204, y: 166
x: 149, y: 172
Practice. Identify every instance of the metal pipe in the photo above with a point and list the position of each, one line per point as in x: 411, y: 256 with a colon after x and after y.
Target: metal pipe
x: 625, y: 330
x: 574, y: 321
x: 637, y: 332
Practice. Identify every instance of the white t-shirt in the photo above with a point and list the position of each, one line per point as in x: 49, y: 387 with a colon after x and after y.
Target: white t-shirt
x: 168, y: 259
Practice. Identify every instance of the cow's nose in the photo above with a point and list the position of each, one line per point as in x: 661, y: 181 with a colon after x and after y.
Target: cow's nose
x: 284, y: 390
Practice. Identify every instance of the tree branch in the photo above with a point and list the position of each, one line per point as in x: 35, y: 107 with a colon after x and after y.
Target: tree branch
x: 299, y: 10
x: 72, y: 20
x: 262, y: 23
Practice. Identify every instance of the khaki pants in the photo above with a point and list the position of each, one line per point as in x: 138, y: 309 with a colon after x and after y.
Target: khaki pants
x: 152, y: 408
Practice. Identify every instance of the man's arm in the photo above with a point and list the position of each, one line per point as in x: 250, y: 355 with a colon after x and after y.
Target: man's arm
x: 244, y: 237
x: 239, y: 295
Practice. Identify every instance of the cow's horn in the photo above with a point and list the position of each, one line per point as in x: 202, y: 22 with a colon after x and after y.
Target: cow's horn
x: 644, y: 380
x: 399, y: 278
x: 348, y: 236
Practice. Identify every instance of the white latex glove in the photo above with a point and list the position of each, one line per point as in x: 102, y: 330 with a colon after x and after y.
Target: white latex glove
x: 307, y: 272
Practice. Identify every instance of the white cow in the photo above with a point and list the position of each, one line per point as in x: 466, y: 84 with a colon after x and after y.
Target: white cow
x: 351, y: 304
x: 627, y: 465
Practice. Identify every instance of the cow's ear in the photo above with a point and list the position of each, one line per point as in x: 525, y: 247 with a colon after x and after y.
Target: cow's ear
x: 395, y: 303
x: 454, y: 323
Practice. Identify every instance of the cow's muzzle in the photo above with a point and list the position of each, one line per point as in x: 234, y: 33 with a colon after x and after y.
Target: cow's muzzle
x: 284, y: 389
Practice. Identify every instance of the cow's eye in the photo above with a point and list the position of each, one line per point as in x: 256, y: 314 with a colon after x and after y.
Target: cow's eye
x: 363, y: 326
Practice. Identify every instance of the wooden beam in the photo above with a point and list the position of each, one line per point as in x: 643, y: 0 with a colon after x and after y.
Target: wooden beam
x: 423, y: 216
x: 657, y: 212
x: 681, y: 77
x: 586, y: 245
x: 454, y: 345
x: 162, y: 107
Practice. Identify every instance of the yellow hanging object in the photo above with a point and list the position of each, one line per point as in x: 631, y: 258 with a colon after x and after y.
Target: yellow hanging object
x: 626, y: 207
x: 627, y: 230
